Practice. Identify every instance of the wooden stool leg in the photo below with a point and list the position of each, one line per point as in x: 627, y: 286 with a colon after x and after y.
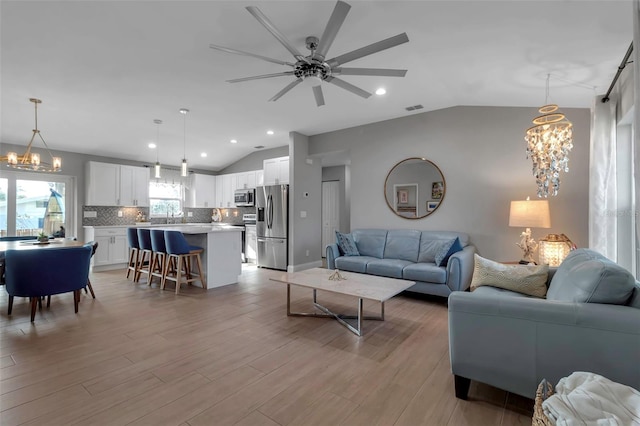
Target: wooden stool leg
x: 179, y: 273
x: 34, y: 305
x: 203, y: 280
x: 90, y: 288
x: 10, y: 305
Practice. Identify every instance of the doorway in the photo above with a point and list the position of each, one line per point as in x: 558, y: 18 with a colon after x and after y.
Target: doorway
x: 330, y: 213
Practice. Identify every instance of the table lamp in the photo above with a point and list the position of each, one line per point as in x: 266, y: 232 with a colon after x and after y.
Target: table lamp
x: 554, y: 248
x: 529, y: 214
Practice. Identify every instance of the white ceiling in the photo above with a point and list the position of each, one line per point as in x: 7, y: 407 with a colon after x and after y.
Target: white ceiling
x: 106, y: 69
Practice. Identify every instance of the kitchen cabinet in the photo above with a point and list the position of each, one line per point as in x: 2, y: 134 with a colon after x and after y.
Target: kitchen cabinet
x: 246, y: 180
x: 259, y: 178
x: 219, y: 191
x: 229, y: 183
x: 202, y: 191
x: 276, y: 171
x: 116, y: 185
x: 113, y: 250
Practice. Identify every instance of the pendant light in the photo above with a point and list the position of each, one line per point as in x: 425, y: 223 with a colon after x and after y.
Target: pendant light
x: 184, y: 168
x: 157, y: 166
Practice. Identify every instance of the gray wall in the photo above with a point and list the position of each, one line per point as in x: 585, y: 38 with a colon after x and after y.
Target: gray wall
x: 340, y: 174
x: 481, y: 153
x: 305, y: 233
x: 254, y: 160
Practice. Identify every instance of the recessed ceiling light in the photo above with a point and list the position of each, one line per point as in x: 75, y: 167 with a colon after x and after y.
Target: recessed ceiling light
x: 233, y: 141
x: 151, y: 145
x: 381, y: 91
x: 259, y: 146
x: 204, y: 154
x: 270, y: 132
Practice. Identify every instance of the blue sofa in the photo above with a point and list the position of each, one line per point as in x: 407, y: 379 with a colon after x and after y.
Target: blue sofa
x: 408, y: 254
x: 589, y: 321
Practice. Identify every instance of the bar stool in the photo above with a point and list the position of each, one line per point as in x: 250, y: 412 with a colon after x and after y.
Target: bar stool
x: 159, y: 256
x: 180, y: 252
x: 146, y: 253
x: 134, y: 252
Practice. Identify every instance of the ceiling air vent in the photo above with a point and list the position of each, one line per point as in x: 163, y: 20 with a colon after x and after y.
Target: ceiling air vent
x: 411, y: 108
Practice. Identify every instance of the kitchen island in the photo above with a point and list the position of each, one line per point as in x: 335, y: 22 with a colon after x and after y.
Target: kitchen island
x: 222, y: 257
x: 221, y: 260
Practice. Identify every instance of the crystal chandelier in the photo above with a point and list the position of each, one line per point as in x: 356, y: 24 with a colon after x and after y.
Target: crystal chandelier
x: 548, y: 144
x: 157, y: 167
x: 184, y: 171
x: 31, y: 160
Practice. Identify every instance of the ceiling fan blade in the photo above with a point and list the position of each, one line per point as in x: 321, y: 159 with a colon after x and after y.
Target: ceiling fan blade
x: 258, y: 77
x: 368, y: 50
x: 240, y: 52
x: 317, y: 93
x: 333, y: 26
x: 385, y: 72
x: 348, y: 86
x: 286, y: 89
x: 262, y: 18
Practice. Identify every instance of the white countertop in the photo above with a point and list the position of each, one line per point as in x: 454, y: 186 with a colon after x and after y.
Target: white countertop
x: 184, y: 227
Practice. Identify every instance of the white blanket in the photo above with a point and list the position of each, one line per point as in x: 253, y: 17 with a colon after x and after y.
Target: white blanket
x: 589, y: 399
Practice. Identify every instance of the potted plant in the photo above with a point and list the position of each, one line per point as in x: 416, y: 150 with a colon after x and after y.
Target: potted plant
x: 43, y: 238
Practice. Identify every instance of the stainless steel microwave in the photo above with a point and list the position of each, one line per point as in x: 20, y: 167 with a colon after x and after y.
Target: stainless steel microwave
x: 244, y: 197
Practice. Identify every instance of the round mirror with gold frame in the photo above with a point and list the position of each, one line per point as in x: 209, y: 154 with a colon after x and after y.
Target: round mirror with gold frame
x: 414, y: 188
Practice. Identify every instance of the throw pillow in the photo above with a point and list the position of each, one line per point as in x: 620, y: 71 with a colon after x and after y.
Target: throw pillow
x: 346, y: 244
x: 531, y: 280
x: 446, y: 250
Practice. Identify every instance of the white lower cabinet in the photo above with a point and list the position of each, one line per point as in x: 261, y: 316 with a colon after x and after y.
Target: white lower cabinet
x: 113, y: 248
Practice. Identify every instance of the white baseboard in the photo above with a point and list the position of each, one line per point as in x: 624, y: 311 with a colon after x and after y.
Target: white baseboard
x: 304, y: 266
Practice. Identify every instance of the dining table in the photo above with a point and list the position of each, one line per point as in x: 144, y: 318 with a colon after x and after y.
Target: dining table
x: 36, y: 245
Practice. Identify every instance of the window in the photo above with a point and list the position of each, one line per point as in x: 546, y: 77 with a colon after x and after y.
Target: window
x: 165, y: 199
x: 31, y: 203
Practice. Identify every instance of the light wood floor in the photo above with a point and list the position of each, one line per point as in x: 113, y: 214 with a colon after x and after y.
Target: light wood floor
x: 231, y: 356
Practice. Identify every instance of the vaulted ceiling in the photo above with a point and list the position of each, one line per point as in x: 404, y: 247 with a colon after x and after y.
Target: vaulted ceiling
x: 106, y: 69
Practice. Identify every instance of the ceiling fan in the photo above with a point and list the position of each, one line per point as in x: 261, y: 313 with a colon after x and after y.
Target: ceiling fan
x: 313, y: 69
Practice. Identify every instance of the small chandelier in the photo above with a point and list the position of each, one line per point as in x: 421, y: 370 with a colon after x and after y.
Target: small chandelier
x: 157, y: 166
x: 184, y: 171
x: 548, y: 144
x: 31, y: 160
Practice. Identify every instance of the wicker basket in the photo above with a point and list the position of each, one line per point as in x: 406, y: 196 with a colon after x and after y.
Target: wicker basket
x: 545, y: 390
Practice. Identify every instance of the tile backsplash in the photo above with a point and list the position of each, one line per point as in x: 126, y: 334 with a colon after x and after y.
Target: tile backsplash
x: 109, y: 216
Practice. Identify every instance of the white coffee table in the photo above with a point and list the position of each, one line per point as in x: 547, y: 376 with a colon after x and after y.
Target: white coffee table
x: 362, y: 286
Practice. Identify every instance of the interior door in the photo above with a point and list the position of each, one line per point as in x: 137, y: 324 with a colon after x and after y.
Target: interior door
x: 330, y: 213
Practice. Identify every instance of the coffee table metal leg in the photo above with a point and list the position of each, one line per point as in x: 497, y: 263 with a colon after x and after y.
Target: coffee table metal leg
x: 327, y: 313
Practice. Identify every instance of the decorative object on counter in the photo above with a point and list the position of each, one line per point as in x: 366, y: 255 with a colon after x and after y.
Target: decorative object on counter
x: 216, y: 216
x: 548, y: 144
x: 529, y: 214
x: 31, y: 160
x: 43, y: 238
x: 554, y: 248
x: 336, y: 276
x: 184, y: 171
x: 157, y: 167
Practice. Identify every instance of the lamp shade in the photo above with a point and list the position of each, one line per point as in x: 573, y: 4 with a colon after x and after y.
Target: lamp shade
x: 530, y: 214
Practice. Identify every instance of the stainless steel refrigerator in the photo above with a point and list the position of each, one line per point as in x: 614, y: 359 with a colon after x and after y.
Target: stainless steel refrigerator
x: 272, y: 226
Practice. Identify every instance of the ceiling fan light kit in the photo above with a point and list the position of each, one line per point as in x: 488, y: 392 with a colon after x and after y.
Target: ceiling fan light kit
x: 314, y: 69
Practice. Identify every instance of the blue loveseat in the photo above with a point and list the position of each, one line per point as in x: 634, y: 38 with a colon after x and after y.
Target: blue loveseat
x: 408, y: 254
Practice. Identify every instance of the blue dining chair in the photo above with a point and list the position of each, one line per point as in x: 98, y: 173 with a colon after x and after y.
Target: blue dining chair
x: 181, y: 253
x: 44, y: 272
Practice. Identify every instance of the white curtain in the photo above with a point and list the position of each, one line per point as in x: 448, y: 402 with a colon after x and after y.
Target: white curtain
x: 602, y: 178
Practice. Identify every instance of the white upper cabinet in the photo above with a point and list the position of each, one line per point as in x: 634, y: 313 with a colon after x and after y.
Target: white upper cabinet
x: 276, y: 171
x: 246, y: 180
x: 116, y: 185
x: 203, y: 191
x: 259, y: 178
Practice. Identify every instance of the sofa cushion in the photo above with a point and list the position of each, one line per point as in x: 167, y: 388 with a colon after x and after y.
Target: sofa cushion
x: 431, y: 241
x: 427, y: 272
x: 531, y: 280
x: 346, y: 244
x: 587, y: 276
x: 447, y: 249
x: 354, y: 263
x: 370, y: 242
x: 391, y: 268
x: 428, y: 250
x: 402, y: 244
